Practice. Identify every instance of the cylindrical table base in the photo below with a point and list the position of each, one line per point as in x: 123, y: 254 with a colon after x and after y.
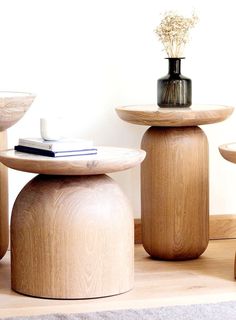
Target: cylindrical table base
x: 72, y: 237
x: 235, y: 266
x: 4, y: 225
x: 174, y: 182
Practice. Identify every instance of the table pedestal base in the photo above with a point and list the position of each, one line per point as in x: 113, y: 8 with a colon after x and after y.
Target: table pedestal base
x: 72, y: 237
x: 235, y: 266
x: 4, y: 225
x: 174, y: 176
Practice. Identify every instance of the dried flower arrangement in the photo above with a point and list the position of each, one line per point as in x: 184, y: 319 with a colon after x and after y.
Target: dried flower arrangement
x: 173, y: 32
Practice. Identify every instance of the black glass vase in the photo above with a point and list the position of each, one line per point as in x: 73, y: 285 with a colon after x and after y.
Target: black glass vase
x: 174, y: 90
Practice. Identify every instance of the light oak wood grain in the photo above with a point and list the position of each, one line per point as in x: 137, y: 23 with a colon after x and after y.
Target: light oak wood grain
x: 235, y: 266
x: 4, y: 227
x: 222, y: 226
x: 228, y: 151
x: 174, y: 193
x: 208, y: 279
x: 72, y: 237
x: 13, y: 106
x: 108, y: 159
x: 152, y: 115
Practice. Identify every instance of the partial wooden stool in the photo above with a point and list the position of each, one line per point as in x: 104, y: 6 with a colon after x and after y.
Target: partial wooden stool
x: 72, y: 232
x: 13, y: 106
x: 174, y: 178
x: 228, y: 151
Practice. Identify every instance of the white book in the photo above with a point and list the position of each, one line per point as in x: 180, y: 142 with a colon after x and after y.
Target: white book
x: 59, y: 145
x: 50, y: 153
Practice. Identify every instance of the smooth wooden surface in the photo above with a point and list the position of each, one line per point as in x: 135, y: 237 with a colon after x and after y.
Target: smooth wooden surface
x: 108, y: 159
x: 235, y: 266
x: 157, y: 283
x: 221, y: 226
x: 151, y: 115
x: 72, y: 237
x: 174, y: 193
x: 4, y: 226
x: 13, y: 106
x: 138, y: 231
x: 228, y: 151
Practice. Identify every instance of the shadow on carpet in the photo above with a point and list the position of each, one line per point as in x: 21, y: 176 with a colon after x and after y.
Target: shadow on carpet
x: 213, y: 311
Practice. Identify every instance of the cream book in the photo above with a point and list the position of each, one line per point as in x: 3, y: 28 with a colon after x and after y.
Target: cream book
x: 58, y: 145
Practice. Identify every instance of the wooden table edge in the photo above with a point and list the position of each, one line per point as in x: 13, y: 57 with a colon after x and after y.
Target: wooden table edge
x: 84, y: 166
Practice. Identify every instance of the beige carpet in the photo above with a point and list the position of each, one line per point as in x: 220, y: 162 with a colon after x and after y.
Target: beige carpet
x: 217, y: 311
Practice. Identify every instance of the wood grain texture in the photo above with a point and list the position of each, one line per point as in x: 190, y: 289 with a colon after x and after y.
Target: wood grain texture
x: 108, y: 159
x: 151, y: 115
x: 4, y: 226
x: 209, y: 279
x: 174, y: 193
x: 228, y: 151
x: 72, y: 237
x: 221, y: 227
x: 13, y: 106
x: 138, y: 231
x: 235, y: 266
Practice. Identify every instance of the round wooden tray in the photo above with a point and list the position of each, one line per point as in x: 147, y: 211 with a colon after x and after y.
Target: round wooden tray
x: 108, y: 159
x: 228, y: 151
x: 151, y: 115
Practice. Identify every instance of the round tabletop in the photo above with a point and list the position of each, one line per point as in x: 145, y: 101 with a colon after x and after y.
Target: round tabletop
x: 228, y: 151
x: 13, y: 106
x: 151, y: 115
x: 107, y: 159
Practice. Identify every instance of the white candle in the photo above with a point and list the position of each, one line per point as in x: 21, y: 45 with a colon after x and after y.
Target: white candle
x: 51, y: 128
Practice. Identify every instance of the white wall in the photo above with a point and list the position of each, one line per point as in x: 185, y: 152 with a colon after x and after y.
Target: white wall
x: 84, y: 58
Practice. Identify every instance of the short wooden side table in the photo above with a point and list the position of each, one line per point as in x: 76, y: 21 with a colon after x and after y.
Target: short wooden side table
x: 174, y: 178
x: 72, y: 226
x: 228, y: 152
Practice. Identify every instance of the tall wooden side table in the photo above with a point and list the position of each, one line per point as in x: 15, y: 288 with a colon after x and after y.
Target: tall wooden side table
x: 72, y: 226
x: 13, y: 106
x: 174, y: 178
x: 228, y: 152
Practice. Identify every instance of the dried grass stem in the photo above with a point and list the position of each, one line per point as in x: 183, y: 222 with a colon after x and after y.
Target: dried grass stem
x: 173, y: 32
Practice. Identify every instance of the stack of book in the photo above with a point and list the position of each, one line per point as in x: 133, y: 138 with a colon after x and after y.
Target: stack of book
x: 60, y: 148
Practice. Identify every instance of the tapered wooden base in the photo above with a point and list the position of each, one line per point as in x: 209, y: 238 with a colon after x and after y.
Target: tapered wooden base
x: 4, y: 225
x: 72, y: 237
x: 175, y: 214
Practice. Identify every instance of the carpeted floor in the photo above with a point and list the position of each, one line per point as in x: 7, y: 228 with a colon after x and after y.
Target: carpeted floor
x: 217, y: 311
